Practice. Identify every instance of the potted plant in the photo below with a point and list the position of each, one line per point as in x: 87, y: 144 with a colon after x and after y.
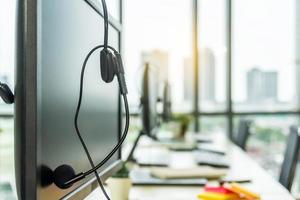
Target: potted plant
x: 120, y: 184
x: 184, y: 121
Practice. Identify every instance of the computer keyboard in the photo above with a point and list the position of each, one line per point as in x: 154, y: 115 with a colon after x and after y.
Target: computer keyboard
x: 183, y: 147
x: 141, y: 177
x: 203, y: 149
x: 156, y: 163
x: 159, y: 160
x: 211, y: 159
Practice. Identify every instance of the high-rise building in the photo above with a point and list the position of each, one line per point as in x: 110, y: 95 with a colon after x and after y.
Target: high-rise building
x: 160, y: 60
x: 188, y: 79
x: 271, y: 87
x: 254, y: 85
x: 207, y: 75
x: 261, y: 86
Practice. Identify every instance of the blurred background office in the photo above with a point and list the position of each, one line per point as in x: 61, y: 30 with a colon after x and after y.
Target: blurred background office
x: 225, y: 60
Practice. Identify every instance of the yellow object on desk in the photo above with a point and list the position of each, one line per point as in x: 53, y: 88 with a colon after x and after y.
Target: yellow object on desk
x: 247, y: 194
x: 216, y: 196
x: 232, y: 191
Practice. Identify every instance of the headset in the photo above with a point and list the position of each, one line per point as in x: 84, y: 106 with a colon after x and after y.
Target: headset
x: 6, y: 94
x: 111, y: 65
x: 64, y: 175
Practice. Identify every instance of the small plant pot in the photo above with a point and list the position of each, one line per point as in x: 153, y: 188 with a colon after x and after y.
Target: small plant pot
x: 183, y: 130
x: 119, y: 188
x: 174, y: 128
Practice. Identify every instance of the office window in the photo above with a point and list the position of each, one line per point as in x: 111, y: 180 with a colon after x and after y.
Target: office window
x: 7, y: 180
x: 7, y: 48
x: 114, y: 8
x: 213, y: 124
x: 267, y: 141
x: 264, y: 55
x: 159, y: 32
x: 264, y: 40
x: 134, y: 128
x: 212, y: 55
x: 7, y: 44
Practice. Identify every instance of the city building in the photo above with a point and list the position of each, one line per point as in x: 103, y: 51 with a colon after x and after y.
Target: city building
x: 207, y: 75
x: 188, y: 83
x: 262, y: 86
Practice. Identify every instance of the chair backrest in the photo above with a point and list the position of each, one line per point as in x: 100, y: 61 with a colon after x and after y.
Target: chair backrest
x: 290, y: 158
x: 243, y: 133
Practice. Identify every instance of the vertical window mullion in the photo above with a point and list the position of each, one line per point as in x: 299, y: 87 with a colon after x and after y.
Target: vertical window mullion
x: 196, y: 63
x: 230, y: 114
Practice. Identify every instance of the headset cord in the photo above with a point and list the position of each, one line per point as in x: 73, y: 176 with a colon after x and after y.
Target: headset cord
x: 78, y: 131
x: 105, y: 23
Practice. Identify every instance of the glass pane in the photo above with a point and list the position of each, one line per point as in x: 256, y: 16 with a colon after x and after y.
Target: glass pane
x: 134, y: 128
x: 7, y: 50
x: 267, y: 141
x: 113, y: 7
x: 7, y: 180
x: 160, y: 35
x: 213, y: 124
x: 264, y: 61
x: 212, y: 58
x: 7, y: 62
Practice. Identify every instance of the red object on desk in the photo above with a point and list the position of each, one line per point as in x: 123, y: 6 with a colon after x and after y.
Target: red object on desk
x: 219, y: 189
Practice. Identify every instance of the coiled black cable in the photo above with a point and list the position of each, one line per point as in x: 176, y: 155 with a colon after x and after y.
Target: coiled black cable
x: 120, y: 142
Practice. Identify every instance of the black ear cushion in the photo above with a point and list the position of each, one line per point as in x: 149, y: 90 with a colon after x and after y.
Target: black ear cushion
x: 47, y: 175
x: 6, y: 94
x: 107, y: 67
x: 62, y: 174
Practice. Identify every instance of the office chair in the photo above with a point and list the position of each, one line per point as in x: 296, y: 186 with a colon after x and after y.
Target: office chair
x: 289, y: 164
x: 243, y: 133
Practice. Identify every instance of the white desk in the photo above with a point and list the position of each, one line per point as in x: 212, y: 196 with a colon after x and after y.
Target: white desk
x: 241, y: 166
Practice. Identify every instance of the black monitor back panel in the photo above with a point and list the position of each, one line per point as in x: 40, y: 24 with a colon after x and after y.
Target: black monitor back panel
x: 149, y: 100
x: 54, y: 37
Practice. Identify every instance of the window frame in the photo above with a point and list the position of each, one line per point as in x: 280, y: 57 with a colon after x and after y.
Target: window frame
x: 229, y: 113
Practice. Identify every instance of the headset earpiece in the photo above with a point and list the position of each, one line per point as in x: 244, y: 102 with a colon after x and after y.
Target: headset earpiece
x: 107, y: 65
x: 63, y: 174
x: 6, y: 94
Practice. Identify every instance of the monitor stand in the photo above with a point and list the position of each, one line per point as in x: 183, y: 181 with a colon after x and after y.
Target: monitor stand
x: 130, y: 158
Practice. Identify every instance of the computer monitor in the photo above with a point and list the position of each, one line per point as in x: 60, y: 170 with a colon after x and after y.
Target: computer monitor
x: 149, y: 100
x: 167, y: 103
x: 53, y: 39
x: 149, y: 115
